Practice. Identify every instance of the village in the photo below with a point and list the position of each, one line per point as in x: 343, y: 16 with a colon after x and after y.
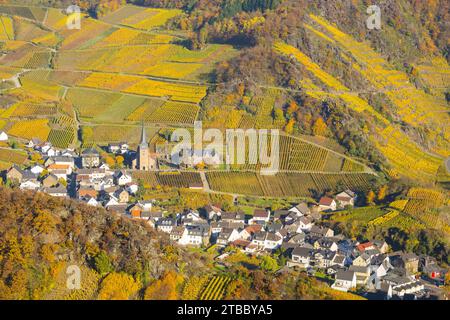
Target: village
x: 370, y: 267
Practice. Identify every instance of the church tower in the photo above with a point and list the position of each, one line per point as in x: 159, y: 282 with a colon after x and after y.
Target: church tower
x: 143, y: 154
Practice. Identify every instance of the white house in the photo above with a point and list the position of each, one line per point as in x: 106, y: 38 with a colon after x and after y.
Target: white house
x: 301, y: 209
x: 344, y: 281
x: 346, y: 198
x: 192, y: 236
x: 132, y: 188
x: 226, y: 236
x: 272, y: 241
x: 91, y: 201
x: 30, y: 185
x: 301, y: 257
x: 37, y: 169
x: 3, y: 136
x: 260, y: 216
x: 123, y: 178
x: 327, y: 204
x: 304, y: 224
x: 166, y: 225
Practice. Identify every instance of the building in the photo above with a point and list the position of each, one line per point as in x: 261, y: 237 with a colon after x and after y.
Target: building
x: 344, y: 280
x: 3, y: 136
x: 327, y: 204
x: 14, y: 174
x: 145, y: 160
x: 90, y: 158
x: 50, y: 180
x: 346, y: 198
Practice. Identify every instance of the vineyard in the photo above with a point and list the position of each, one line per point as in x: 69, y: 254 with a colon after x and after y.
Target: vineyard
x: 11, y: 156
x: 173, y: 179
x: 28, y: 129
x: 215, y: 288
x: 384, y: 218
x: 61, y: 138
x: 286, y: 184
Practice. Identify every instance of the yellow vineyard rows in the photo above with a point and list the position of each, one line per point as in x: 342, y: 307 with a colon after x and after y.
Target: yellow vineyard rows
x: 413, y: 105
x: 28, y: 129
x: 139, y: 85
x: 216, y: 288
x: 384, y: 218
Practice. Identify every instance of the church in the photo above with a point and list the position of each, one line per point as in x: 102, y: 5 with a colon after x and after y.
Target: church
x: 145, y: 160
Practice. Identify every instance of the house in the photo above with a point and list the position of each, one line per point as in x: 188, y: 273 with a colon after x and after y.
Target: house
x: 323, y: 259
x: 272, y: 241
x: 166, y: 224
x: 249, y: 231
x: 30, y: 184
x: 132, y: 187
x: 111, y: 202
x: 280, y: 215
x: 381, y: 245
x: 212, y: 212
x: 344, y: 280
x: 122, y: 178
x: 407, y: 261
x: 362, y: 260
x: 118, y: 208
x: 233, y: 217
x: 194, y: 236
x: 327, y: 204
x: 346, y: 198
x: 84, y: 192
x: 177, y: 233
x: 33, y: 143
x: 325, y: 244
x: 300, y: 257
x: 59, y: 191
x: 91, y: 201
x: 90, y: 158
x: 62, y: 168
x: 3, y: 136
x: 260, y: 216
x: 49, y: 180
x: 244, y: 245
x: 37, y: 169
x: 301, y: 209
x: 121, y: 147
x: 362, y: 274
x: 304, y: 224
x: 14, y: 174
x: 338, y: 260
x: 122, y: 196
x: 60, y: 174
x: 318, y: 231
x: 226, y: 236
x: 136, y: 210
x: 64, y: 160
x: 51, y: 152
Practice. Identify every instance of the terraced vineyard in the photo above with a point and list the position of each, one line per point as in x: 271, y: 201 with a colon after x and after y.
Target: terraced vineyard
x: 285, y: 184
x: 215, y: 288
x: 173, y: 179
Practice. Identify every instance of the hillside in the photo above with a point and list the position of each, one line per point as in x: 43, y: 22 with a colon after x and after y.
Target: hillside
x: 41, y: 237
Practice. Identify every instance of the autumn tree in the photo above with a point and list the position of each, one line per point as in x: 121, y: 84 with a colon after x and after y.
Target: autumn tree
x: 118, y: 286
x: 319, y: 128
x: 382, y: 193
x: 164, y: 288
x: 370, y: 197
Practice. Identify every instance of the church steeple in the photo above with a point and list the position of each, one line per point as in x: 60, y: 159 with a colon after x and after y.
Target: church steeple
x: 143, y: 143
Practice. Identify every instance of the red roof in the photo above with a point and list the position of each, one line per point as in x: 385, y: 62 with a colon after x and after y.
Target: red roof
x: 363, y: 246
x: 254, y: 228
x: 325, y: 201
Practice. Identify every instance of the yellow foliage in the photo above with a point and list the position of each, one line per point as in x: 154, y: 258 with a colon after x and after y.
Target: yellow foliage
x: 118, y: 286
